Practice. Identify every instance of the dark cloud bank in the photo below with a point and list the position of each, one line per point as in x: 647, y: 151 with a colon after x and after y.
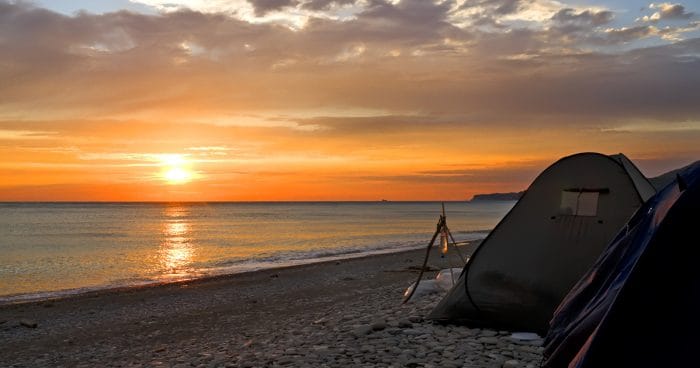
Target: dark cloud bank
x: 408, y: 59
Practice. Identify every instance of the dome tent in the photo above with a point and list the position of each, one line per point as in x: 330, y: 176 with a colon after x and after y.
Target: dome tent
x: 526, y: 265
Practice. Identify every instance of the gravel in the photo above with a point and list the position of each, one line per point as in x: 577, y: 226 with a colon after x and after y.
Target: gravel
x: 299, y: 318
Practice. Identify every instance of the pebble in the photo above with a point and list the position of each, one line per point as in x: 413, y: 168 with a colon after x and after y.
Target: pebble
x: 362, y: 330
x: 488, y: 340
x: 373, y: 329
x: 378, y: 325
x: 415, y: 319
x: 28, y: 323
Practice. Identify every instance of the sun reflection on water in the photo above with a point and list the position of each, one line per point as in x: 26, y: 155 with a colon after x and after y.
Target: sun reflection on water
x: 176, y: 249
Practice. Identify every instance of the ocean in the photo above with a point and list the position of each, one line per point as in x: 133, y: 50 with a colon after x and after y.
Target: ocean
x: 54, y: 249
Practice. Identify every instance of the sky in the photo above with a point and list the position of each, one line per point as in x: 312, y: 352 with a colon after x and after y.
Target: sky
x: 285, y: 100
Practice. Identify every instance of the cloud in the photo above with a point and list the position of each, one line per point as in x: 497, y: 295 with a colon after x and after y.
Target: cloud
x: 319, y: 5
x: 262, y: 7
x: 628, y: 34
x: 498, y: 7
x: 293, y: 14
x: 11, y: 134
x: 667, y: 11
x: 234, y: 7
x: 585, y: 17
x: 405, y: 59
x: 577, y: 27
x: 676, y: 34
x: 361, y: 94
x: 209, y: 149
x: 499, y: 14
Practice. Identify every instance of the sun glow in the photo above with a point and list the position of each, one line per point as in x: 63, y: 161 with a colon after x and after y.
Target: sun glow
x: 177, y: 175
x: 174, y: 171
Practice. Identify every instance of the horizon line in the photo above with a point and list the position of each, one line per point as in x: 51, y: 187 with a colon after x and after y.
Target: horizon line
x: 253, y: 201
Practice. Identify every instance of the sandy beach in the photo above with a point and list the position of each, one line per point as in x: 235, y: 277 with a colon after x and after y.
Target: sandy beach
x: 341, y: 314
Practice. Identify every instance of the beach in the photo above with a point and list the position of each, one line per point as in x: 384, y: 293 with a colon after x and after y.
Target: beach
x: 337, y: 314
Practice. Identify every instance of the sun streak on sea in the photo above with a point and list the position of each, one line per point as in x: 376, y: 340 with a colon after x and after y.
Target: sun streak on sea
x: 176, y: 250
x: 49, y: 249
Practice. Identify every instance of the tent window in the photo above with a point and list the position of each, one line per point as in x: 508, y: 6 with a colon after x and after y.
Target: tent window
x: 578, y: 203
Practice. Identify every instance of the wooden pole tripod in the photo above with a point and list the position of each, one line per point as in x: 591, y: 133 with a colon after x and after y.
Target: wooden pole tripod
x: 440, y: 228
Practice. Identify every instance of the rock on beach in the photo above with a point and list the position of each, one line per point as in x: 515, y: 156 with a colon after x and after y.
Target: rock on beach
x: 300, y: 319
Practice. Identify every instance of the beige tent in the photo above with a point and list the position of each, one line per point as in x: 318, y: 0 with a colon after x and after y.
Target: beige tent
x: 521, y: 271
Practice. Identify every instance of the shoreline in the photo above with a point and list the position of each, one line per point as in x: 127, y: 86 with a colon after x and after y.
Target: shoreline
x: 42, y: 296
x: 97, y: 291
x: 54, y: 253
x: 335, y: 314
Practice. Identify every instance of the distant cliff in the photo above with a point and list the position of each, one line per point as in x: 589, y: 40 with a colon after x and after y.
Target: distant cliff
x: 513, y: 196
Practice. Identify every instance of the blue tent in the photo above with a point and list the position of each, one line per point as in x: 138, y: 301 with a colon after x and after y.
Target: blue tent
x: 639, y: 305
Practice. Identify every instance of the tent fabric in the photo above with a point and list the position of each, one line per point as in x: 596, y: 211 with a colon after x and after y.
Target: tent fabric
x: 641, y: 183
x: 522, y: 270
x: 638, y: 305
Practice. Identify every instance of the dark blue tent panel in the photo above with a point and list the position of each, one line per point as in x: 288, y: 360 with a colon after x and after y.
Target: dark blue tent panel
x: 639, y: 305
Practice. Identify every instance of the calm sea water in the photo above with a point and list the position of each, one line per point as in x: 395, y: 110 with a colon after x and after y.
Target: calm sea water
x: 49, y: 249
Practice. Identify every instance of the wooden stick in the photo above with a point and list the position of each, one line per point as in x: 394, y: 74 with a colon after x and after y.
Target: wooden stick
x: 449, y: 233
x: 440, y: 224
x: 454, y: 245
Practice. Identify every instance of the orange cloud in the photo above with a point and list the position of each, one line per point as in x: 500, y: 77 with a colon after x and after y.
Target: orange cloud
x: 399, y: 101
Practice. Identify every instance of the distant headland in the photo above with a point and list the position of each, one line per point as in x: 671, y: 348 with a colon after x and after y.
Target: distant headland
x: 512, y: 196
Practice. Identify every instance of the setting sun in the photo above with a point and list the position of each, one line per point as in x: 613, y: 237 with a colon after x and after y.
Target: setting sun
x: 175, y: 171
x: 177, y: 175
x: 320, y: 100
